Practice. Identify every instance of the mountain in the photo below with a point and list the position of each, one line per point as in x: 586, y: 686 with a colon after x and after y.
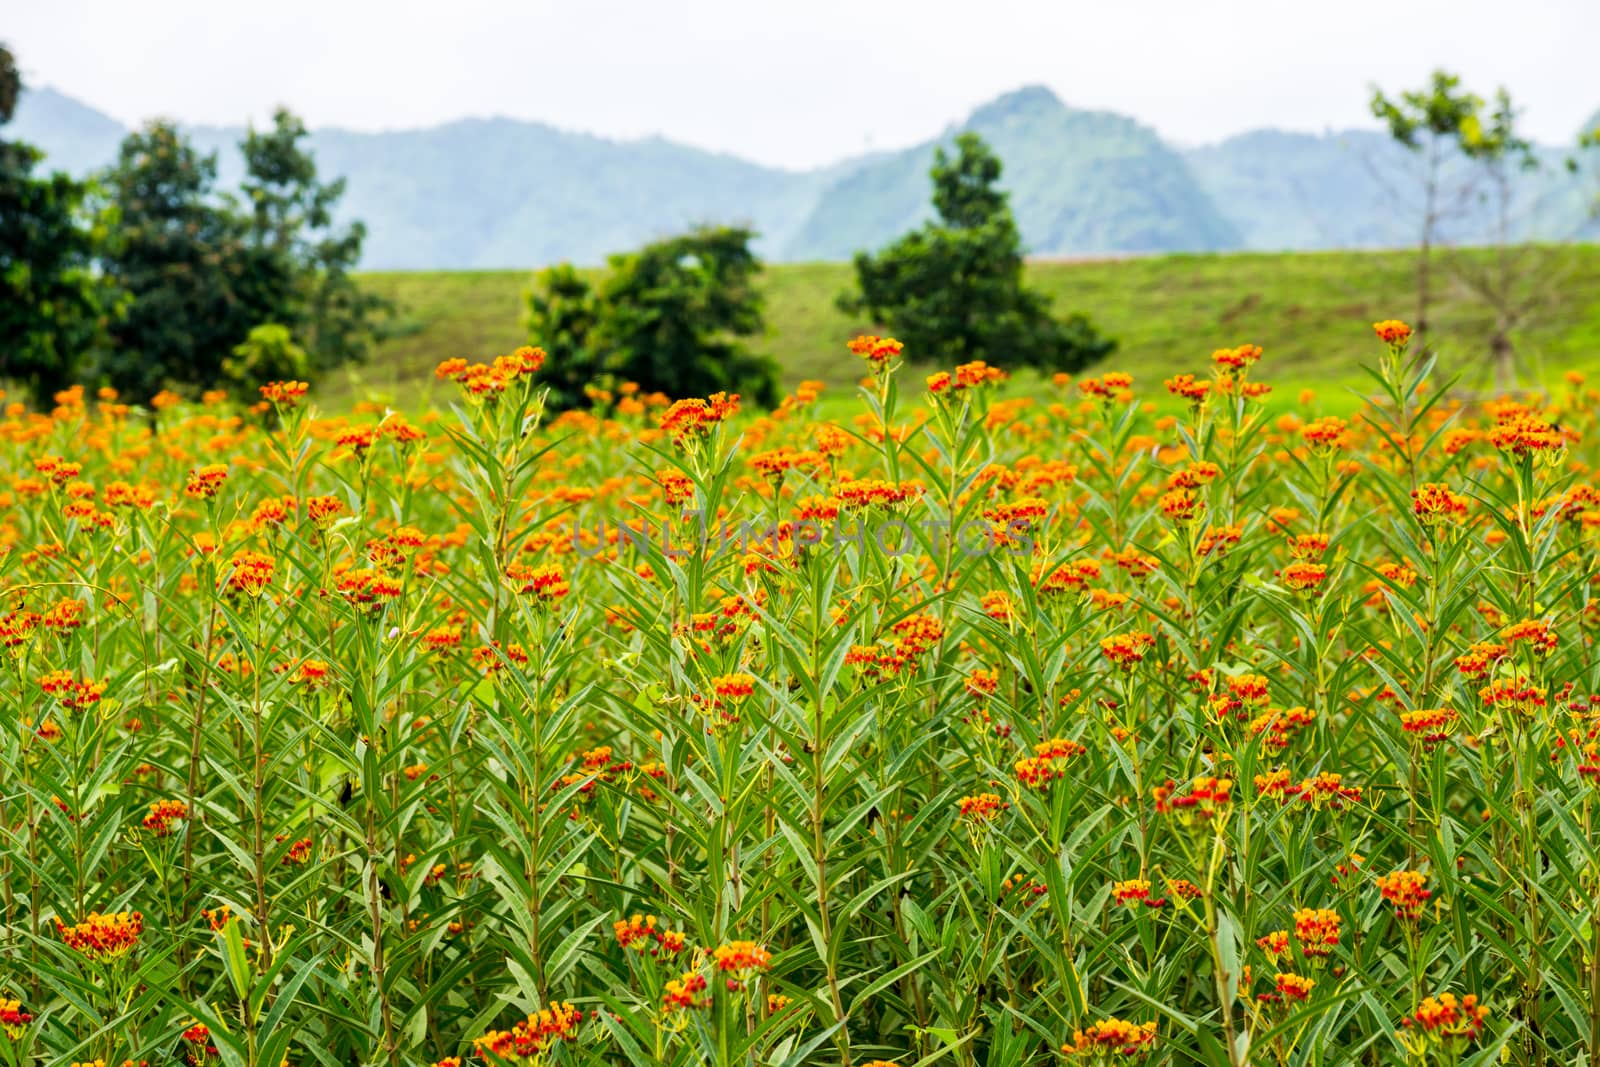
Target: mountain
x: 486, y: 193
x: 1360, y: 189
x: 497, y: 192
x: 75, y: 137
x: 1080, y: 182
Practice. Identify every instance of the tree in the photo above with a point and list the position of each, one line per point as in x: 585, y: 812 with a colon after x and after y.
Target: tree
x: 177, y: 258
x: 953, y: 289
x: 672, y: 316
x: 1430, y: 124
x: 562, y: 312
x: 268, y: 354
x: 49, y: 300
x: 299, y: 264
x: 10, y: 84
x: 1511, y: 280
x: 199, y: 273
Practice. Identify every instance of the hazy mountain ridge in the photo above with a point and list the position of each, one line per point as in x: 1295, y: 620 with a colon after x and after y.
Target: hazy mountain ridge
x: 482, y: 193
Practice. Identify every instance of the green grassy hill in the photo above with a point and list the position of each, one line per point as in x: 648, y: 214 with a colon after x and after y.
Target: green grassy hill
x: 1310, y: 311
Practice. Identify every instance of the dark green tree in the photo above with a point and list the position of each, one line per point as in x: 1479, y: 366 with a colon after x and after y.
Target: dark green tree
x: 953, y: 289
x: 176, y: 255
x: 674, y: 314
x: 298, y: 263
x: 49, y: 300
x: 10, y: 84
x: 561, y: 314
x: 198, y: 272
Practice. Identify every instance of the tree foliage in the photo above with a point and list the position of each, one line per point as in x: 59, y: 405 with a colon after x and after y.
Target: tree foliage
x: 952, y: 290
x: 299, y: 258
x: 49, y: 302
x: 671, y: 317
x: 199, y: 272
x: 562, y: 310
x: 168, y: 284
x: 176, y: 258
x: 1432, y: 123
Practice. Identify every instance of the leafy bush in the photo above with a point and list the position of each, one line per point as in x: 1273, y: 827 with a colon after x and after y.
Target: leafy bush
x: 669, y: 317
x: 953, y: 290
x: 49, y: 302
x: 196, y: 273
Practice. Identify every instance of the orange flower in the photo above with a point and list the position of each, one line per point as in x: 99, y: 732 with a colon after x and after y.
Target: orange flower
x: 876, y: 493
x: 982, y: 808
x: 13, y: 1020
x: 1447, y: 1021
x: 248, y: 574
x: 1237, y: 358
x: 163, y: 813
x: 533, y: 1036
x: 1275, y: 944
x: 1430, y: 725
x: 877, y: 351
x: 1206, y: 798
x: 73, y: 693
x: 1523, y: 433
x: 369, y: 590
x: 641, y: 934
x: 1513, y: 694
x: 1433, y: 503
x: 1539, y: 636
x: 1317, y: 931
x: 1133, y: 891
x: 323, y: 510
x: 1325, y: 434
x: 1111, y: 1038
x: 1127, y: 650
x: 205, y: 482
x: 284, y: 394
x: 546, y: 583
x: 102, y: 938
x: 1185, y: 386
x: 690, y: 420
x: 733, y: 686
x: 741, y: 958
x: 1293, y: 987
x: 1304, y: 577
x: 683, y: 994
x: 1326, y: 790
x: 1392, y: 332
x: 1182, y: 506
x: 1407, y: 891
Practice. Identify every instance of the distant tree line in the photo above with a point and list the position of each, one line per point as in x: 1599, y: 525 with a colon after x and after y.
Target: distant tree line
x: 148, y: 277
x: 675, y: 316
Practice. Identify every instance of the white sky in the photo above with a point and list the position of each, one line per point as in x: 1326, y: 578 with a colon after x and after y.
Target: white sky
x: 801, y: 83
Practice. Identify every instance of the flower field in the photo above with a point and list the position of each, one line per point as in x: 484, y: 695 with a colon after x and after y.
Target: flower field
x: 1114, y: 722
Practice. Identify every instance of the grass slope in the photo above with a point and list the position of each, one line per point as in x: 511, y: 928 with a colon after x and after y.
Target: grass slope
x: 1310, y: 311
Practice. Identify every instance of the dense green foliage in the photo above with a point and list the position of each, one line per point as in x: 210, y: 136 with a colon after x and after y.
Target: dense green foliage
x: 178, y: 256
x: 197, y: 273
x: 561, y: 314
x: 670, y: 317
x: 503, y: 193
x: 952, y: 289
x: 48, y: 303
x: 152, y: 277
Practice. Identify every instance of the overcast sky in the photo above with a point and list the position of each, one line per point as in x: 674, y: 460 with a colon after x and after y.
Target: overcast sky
x: 800, y: 84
